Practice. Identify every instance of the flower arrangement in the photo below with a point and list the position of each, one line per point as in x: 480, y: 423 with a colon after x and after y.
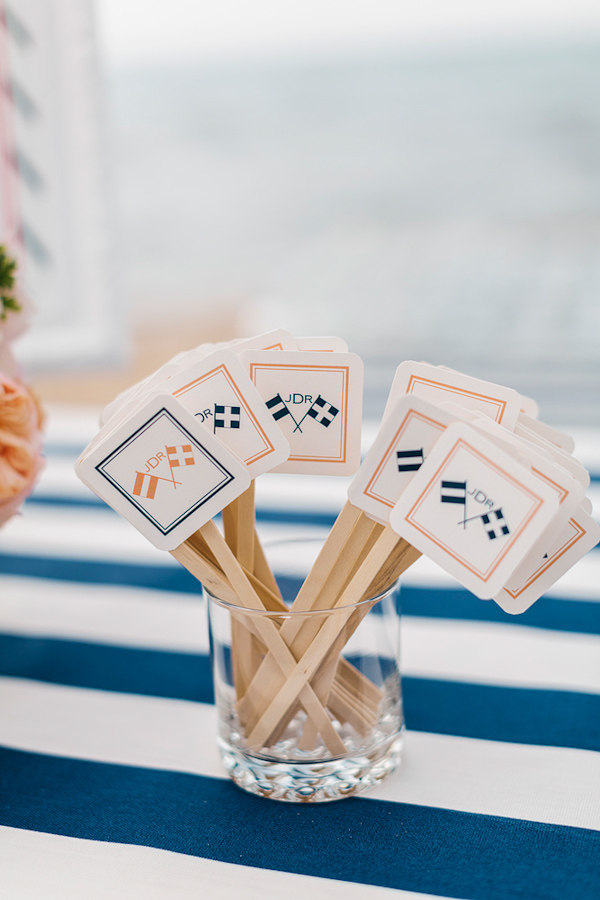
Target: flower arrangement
x: 21, y: 416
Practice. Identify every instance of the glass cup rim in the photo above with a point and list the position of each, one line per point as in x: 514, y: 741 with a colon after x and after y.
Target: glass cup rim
x: 297, y: 614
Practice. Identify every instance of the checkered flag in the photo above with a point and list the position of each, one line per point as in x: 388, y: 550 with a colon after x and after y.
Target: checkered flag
x: 409, y: 460
x: 227, y: 416
x: 277, y: 407
x: 496, y: 529
x: 145, y: 485
x: 180, y: 455
x: 454, y: 492
x: 323, y: 412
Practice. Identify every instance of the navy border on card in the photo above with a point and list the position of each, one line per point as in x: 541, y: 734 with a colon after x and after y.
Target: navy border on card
x: 227, y: 479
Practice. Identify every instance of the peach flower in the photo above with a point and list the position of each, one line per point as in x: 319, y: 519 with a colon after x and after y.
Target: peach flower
x: 21, y: 461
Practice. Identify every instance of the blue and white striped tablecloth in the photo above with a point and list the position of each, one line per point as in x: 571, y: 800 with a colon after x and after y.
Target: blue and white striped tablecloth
x: 110, y: 783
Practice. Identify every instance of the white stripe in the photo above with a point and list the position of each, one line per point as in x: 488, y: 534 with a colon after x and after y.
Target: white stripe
x: 79, y: 534
x: 586, y: 446
x: 310, y: 493
x: 593, y: 494
x: 36, y: 865
x: 542, y: 784
x: 71, y: 424
x: 101, y: 535
x: 106, y: 615
x: 82, y: 533
x: 151, y: 732
x: 511, y: 655
x: 546, y: 784
x: 582, y: 582
x: 58, y: 479
x: 478, y: 652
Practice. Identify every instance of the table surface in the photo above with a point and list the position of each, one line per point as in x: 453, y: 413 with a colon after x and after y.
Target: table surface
x: 110, y: 782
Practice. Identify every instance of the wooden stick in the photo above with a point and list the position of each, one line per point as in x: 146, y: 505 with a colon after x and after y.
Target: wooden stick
x: 270, y: 635
x: 401, y: 557
x: 262, y: 569
x: 319, y: 591
x: 195, y: 554
x: 246, y: 528
x: 318, y: 650
x: 238, y: 525
x: 197, y: 557
x: 349, y: 518
x: 201, y: 568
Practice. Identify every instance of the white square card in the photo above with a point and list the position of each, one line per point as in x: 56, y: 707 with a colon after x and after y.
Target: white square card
x: 316, y: 400
x: 403, y: 443
x: 219, y: 393
x: 474, y: 509
x: 163, y: 472
x: 539, y: 571
x: 437, y: 385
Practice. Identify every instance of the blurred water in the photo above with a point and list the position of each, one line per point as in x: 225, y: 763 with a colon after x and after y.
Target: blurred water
x: 444, y: 206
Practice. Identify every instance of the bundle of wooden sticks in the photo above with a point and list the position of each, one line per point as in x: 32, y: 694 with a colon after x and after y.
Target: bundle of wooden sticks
x: 278, y: 665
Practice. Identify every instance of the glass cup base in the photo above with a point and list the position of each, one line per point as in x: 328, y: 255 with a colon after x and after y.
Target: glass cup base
x: 313, y: 781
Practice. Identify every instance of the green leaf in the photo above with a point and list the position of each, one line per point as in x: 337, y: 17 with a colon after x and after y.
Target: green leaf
x: 8, y: 270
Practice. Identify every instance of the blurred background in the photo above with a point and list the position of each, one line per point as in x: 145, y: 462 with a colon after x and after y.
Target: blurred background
x: 421, y: 179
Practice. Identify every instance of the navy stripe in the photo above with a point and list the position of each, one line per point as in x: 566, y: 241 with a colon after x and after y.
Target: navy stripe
x: 128, y: 670
x: 89, y: 571
x: 561, y: 614
x: 514, y: 715
x: 372, y: 842
x: 580, y: 616
x: 523, y: 716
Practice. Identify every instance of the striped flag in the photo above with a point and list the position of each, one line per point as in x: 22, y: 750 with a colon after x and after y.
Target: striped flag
x: 277, y: 407
x: 145, y: 485
x: 454, y: 492
x: 409, y: 460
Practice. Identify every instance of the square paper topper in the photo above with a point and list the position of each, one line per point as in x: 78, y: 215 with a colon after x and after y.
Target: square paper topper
x: 474, y: 509
x: 316, y: 399
x: 163, y: 472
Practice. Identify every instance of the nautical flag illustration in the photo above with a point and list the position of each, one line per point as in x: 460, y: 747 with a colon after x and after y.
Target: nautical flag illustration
x: 497, y: 528
x: 145, y: 485
x: 454, y: 492
x: 323, y: 412
x: 227, y: 416
x: 180, y: 455
x: 409, y: 460
x: 277, y: 407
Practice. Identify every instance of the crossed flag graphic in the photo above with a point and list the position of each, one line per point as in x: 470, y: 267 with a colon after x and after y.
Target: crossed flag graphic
x: 493, y: 521
x: 178, y: 456
x: 320, y: 410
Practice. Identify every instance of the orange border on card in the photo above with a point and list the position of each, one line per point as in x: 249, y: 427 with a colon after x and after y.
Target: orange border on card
x: 345, y: 372
x: 419, y: 379
x: 561, y: 491
x: 462, y: 443
x: 547, y: 564
x: 369, y: 490
x: 233, y: 384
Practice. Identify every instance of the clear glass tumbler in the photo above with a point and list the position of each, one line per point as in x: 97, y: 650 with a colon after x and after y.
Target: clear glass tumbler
x: 309, y: 703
